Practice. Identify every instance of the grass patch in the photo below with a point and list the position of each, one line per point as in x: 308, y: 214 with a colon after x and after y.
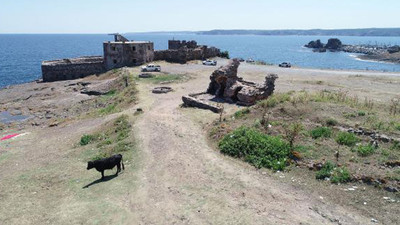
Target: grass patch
x: 241, y: 113
x: 274, y: 100
x: 331, y: 122
x: 113, y: 139
x: 365, y: 150
x: 108, y: 109
x: 340, y: 175
x: 166, y: 78
x: 361, y: 113
x: 321, y: 132
x: 346, y: 138
x: 326, y: 171
x: 335, y: 174
x: 256, y: 148
x: 86, y: 139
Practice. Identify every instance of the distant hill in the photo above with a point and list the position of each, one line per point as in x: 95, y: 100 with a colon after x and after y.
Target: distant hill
x: 313, y: 32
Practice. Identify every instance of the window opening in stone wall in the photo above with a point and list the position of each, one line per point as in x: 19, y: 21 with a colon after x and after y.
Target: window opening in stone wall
x: 134, y: 60
x: 134, y: 48
x: 115, y: 61
x: 113, y: 48
x: 148, y: 47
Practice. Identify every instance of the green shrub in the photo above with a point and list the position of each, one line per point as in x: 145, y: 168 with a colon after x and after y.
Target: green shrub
x: 361, y: 113
x: 340, y: 175
x: 395, y: 145
x: 274, y: 100
x: 108, y: 109
x: 365, y: 150
x: 86, y: 139
x: 346, y: 138
x: 331, y: 122
x: 224, y: 54
x: 256, y: 148
x: 241, y: 113
x: 319, y: 132
x: 122, y: 147
x: 335, y: 174
x: 326, y: 171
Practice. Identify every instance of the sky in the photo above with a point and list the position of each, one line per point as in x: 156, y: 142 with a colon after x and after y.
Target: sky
x: 106, y: 16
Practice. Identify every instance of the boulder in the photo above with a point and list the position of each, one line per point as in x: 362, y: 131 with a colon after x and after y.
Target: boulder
x: 314, y: 44
x: 190, y: 101
x: 333, y: 44
x: 394, y: 49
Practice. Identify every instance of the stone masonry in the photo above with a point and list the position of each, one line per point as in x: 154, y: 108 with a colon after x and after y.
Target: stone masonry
x: 183, y: 51
x: 68, y: 69
x: 226, y: 84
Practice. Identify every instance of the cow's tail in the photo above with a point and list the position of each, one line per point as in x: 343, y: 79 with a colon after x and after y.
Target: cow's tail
x: 123, y: 167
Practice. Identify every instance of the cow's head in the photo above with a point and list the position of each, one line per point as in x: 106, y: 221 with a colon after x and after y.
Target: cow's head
x: 90, y: 165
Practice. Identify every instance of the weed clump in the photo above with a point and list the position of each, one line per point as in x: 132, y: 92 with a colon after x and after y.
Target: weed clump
x: 114, y: 139
x: 86, y: 139
x: 321, y: 132
x: 365, y: 150
x: 340, y: 175
x: 326, y: 171
x: 333, y: 173
x: 241, y: 113
x: 256, y: 148
x: 331, y: 122
x: 345, y: 138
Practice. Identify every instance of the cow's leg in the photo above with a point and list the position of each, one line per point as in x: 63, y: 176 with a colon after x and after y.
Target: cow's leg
x: 102, y: 174
x: 118, y: 168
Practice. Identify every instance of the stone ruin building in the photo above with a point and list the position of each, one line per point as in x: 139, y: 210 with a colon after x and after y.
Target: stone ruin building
x: 120, y: 53
x: 183, y: 51
x: 225, y: 84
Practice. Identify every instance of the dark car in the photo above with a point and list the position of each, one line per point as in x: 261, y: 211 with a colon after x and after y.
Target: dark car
x: 285, y: 64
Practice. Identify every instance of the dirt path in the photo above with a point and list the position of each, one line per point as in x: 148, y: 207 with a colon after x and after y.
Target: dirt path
x: 184, y: 181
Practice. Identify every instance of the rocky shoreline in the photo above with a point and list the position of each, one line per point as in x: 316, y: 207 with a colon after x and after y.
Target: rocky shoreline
x: 377, y: 53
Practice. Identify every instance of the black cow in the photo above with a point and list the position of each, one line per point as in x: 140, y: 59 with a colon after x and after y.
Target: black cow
x: 107, y: 164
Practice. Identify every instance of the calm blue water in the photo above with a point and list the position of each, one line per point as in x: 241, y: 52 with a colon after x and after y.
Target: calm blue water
x: 21, y: 55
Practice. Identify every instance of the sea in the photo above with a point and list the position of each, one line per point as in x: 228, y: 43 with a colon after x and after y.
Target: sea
x: 21, y: 54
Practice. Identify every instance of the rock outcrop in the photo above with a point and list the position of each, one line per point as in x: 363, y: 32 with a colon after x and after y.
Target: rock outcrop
x: 333, y: 44
x: 315, y: 44
x: 226, y: 84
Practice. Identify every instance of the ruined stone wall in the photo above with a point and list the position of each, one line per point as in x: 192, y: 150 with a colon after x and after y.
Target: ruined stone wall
x: 68, y: 69
x: 120, y: 54
x: 186, y: 54
x: 176, y: 44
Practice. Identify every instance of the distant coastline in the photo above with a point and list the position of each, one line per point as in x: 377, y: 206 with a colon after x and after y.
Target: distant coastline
x: 379, y: 32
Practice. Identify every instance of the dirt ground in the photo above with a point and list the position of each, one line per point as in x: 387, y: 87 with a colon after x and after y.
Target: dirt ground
x: 174, y: 176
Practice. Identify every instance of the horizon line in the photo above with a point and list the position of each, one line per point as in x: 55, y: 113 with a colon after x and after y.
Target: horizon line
x: 192, y: 31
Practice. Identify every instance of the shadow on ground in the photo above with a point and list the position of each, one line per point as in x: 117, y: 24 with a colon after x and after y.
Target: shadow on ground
x: 106, y: 178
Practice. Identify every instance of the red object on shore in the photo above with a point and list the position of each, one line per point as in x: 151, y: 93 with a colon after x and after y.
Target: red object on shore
x: 8, y: 137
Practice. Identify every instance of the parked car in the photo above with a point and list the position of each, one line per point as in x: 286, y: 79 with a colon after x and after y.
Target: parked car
x: 151, y: 68
x: 250, y: 60
x: 210, y: 62
x: 241, y: 60
x: 285, y: 64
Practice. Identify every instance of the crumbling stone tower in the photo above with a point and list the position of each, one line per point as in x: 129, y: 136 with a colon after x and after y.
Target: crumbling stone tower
x: 122, y: 52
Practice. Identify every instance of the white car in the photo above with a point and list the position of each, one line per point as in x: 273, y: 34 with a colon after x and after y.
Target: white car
x: 210, y: 62
x: 285, y: 64
x: 250, y: 60
x: 151, y: 68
